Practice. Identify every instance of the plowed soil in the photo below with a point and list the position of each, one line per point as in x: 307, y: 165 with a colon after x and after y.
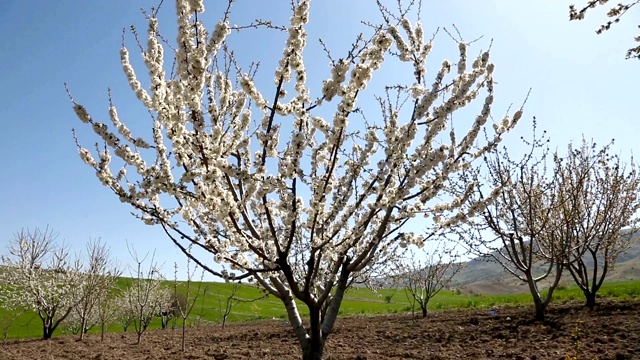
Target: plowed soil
x: 611, y: 331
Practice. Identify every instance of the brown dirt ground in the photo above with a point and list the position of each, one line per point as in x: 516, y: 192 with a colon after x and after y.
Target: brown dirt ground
x: 612, y: 331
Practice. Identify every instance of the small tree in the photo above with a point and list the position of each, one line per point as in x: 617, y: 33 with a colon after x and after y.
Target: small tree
x: 600, y: 196
x: 99, y: 278
x: 188, y: 298
x: 423, y: 274
x: 163, y: 300
x: 40, y: 276
x: 200, y: 318
x: 615, y: 13
x: 124, y: 311
x: 228, y: 301
x: 298, y: 192
x: 108, y: 309
x: 146, y: 297
x: 75, y: 322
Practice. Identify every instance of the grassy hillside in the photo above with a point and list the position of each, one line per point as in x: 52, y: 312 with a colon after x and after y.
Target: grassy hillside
x: 358, y: 301
x: 482, y: 283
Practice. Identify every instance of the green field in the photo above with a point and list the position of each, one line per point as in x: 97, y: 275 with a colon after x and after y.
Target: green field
x: 357, y: 301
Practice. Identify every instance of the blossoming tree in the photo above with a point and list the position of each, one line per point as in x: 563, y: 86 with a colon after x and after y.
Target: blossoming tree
x: 422, y: 275
x: 285, y: 186
x: 597, y: 217
x: 99, y: 278
x: 513, y: 230
x: 41, y: 276
x: 145, y: 297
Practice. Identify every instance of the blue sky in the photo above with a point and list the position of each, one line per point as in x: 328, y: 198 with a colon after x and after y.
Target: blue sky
x: 581, y: 85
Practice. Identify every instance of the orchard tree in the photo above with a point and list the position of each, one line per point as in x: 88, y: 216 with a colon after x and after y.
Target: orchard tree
x: 100, y: 276
x: 298, y: 191
x: 108, y: 310
x: 600, y: 197
x: 41, y: 276
x: 185, y: 300
x: 615, y: 13
x: 74, y: 322
x: 145, y: 297
x: 423, y: 274
x: 169, y: 309
x: 226, y: 302
x: 512, y: 230
x: 123, y: 311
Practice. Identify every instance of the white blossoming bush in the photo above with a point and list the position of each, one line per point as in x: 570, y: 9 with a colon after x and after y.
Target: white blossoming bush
x: 109, y: 311
x: 100, y: 275
x: 77, y: 320
x: 295, y: 191
x: 144, y: 298
x: 141, y: 302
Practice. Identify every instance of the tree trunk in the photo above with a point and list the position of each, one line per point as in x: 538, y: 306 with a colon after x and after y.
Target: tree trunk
x: 313, y: 351
x: 539, y: 303
x: 424, y: 311
x: 540, y: 310
x: 293, y: 316
x: 83, y: 326
x: 314, y: 346
x: 320, y: 325
x: 591, y: 298
x: 48, y: 332
x: 47, y: 328
x: 102, y: 332
x: 184, y: 325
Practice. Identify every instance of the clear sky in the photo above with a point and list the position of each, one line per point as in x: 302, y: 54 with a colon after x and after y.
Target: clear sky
x: 581, y: 85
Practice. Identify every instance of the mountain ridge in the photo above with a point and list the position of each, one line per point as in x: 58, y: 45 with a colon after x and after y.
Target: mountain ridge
x: 484, y: 275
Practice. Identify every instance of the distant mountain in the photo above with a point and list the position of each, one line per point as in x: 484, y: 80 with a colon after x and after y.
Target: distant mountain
x: 483, y: 275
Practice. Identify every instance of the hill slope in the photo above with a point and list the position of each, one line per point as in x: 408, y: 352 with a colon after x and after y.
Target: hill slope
x: 488, y: 277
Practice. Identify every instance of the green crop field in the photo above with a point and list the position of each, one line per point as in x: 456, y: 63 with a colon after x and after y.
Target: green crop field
x: 358, y: 301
